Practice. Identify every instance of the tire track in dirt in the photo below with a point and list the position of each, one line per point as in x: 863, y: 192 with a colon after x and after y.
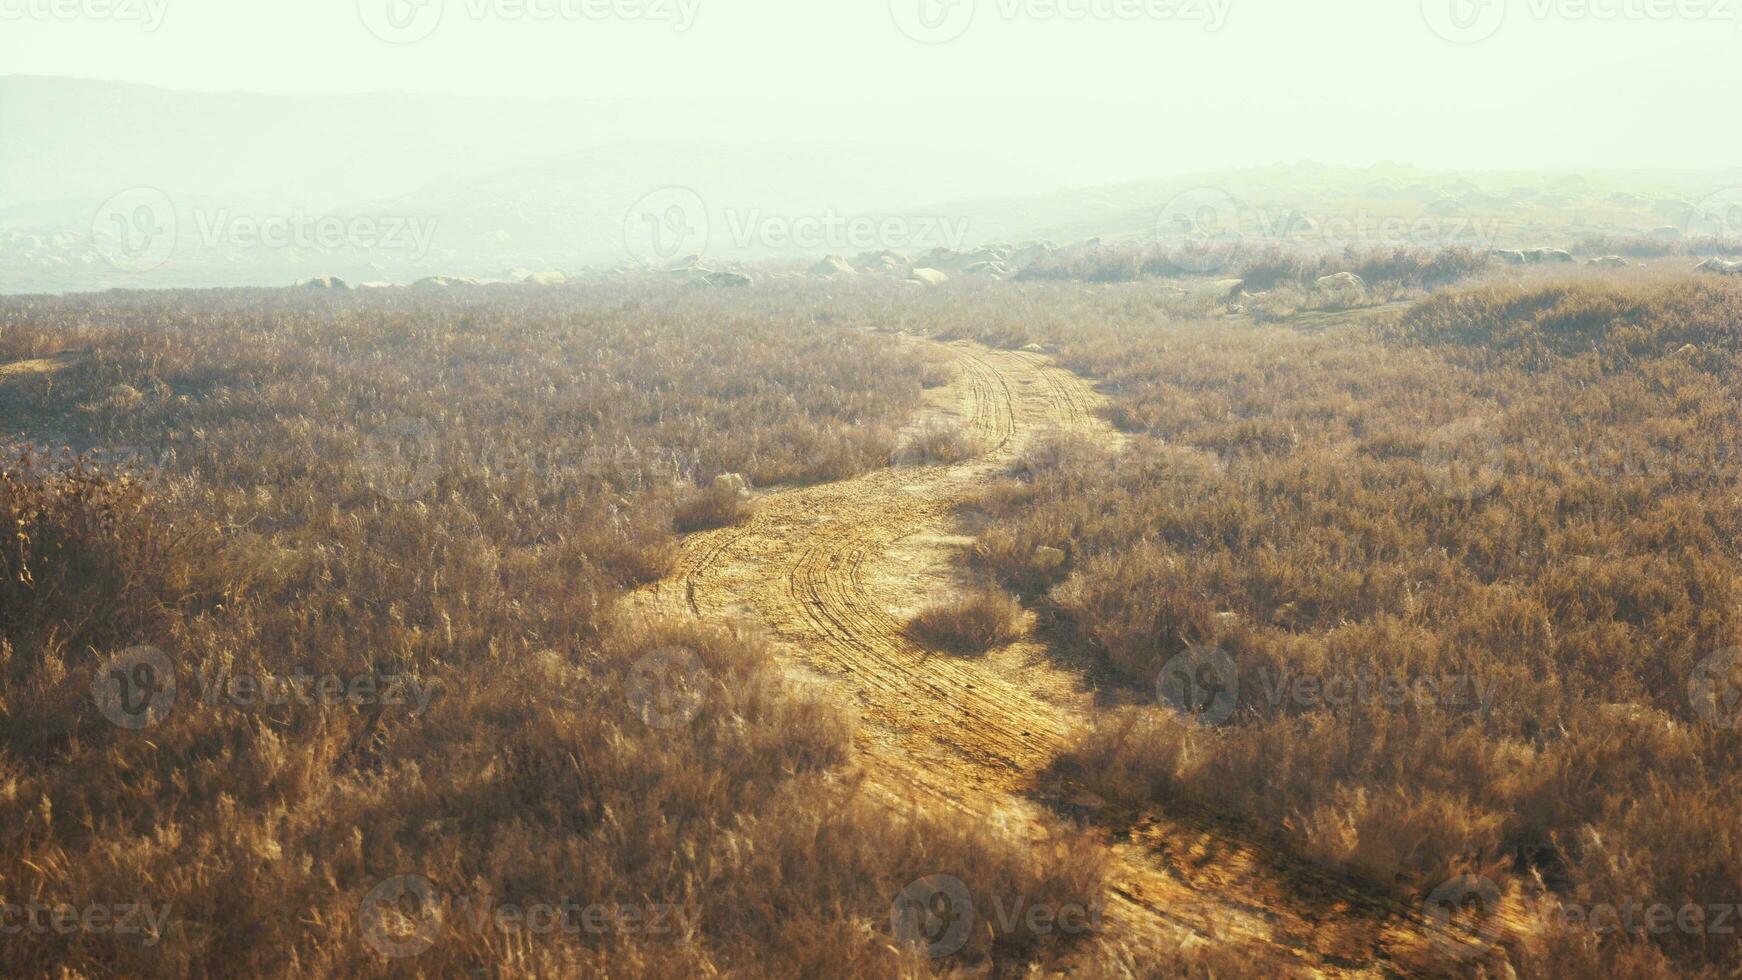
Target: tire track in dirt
x: 833, y: 571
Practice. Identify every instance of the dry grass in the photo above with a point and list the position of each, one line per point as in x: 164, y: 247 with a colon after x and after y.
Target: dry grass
x: 445, y: 493
x: 1266, y: 266
x: 718, y: 505
x: 1531, y: 489
x: 975, y: 623
x: 935, y: 444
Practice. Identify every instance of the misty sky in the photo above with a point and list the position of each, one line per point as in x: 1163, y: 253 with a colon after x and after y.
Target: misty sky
x: 1131, y: 88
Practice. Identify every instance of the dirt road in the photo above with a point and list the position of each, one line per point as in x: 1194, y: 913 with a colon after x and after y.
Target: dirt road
x: 834, y: 571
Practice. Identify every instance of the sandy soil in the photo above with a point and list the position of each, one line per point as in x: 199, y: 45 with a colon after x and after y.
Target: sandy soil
x: 833, y: 572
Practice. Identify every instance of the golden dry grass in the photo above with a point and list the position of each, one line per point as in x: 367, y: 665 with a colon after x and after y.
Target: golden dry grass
x: 445, y: 493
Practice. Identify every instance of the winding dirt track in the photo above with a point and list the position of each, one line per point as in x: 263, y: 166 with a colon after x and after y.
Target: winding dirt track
x: 833, y: 571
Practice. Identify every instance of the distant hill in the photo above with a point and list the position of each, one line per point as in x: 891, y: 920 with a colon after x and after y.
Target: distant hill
x: 110, y: 184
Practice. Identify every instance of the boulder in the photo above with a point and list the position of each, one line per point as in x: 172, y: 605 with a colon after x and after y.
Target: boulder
x: 1726, y: 267
x: 1510, y: 256
x: 930, y: 277
x: 1344, y: 284
x: 1047, y: 557
x: 1033, y: 349
x: 730, y: 280
x: 733, y: 483
x: 1609, y: 262
x: 883, y: 261
x: 833, y: 265
x: 1541, y: 255
x: 325, y: 282
x: 1028, y: 255
x: 545, y: 279
x: 443, y: 282
x: 995, y: 269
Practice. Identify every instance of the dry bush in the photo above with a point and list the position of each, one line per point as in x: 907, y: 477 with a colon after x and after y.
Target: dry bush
x: 935, y: 444
x: 1266, y: 265
x: 1652, y: 247
x: 718, y: 505
x: 1532, y: 490
x: 442, y: 496
x: 975, y: 623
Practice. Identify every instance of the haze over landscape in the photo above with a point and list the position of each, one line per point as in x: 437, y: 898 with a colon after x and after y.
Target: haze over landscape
x: 903, y: 488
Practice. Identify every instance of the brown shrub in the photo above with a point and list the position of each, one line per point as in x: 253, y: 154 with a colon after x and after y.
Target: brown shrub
x: 1527, y: 489
x: 975, y: 623
x: 718, y: 505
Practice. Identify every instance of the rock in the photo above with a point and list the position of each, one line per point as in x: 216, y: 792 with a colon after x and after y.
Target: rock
x: 1725, y: 267
x: 1033, y: 349
x: 883, y: 261
x: 544, y: 279
x: 1047, y: 557
x: 443, y: 282
x: 732, y: 483
x: 1345, y: 285
x: 1028, y: 255
x: 1541, y: 255
x: 997, y: 270
x: 325, y: 282
x: 727, y: 280
x: 833, y: 265
x: 930, y: 277
x: 1610, y: 262
x: 1510, y: 256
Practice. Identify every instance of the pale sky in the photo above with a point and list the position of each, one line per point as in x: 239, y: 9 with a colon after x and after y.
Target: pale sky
x: 1099, y: 96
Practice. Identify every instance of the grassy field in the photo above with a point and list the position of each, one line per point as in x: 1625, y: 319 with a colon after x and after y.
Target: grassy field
x: 1437, y: 582
x: 1455, y: 593
x: 378, y: 543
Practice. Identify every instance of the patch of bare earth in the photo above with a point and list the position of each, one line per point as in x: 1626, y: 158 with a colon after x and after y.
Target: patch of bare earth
x: 835, y: 571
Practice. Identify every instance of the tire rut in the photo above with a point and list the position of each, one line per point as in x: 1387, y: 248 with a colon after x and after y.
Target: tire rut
x: 832, y: 571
